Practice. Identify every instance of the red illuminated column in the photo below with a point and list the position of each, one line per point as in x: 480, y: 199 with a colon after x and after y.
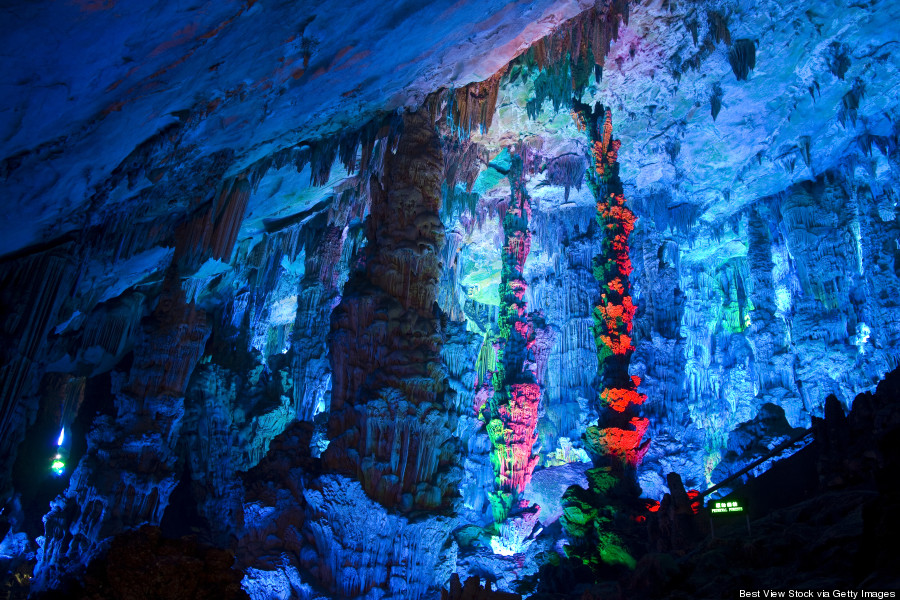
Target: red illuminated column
x: 620, y: 431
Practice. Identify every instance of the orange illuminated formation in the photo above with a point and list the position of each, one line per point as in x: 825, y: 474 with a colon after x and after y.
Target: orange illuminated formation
x: 621, y: 431
x: 619, y: 399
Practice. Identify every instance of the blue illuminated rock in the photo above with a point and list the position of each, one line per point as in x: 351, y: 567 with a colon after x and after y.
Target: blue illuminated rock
x: 250, y: 260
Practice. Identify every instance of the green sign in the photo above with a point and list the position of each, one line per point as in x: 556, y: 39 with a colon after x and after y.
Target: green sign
x: 722, y: 507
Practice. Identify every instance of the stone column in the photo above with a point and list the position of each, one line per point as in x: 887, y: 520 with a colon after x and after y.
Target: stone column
x: 389, y: 419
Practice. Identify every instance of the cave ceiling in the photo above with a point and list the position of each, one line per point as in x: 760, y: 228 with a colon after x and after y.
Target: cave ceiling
x: 246, y: 79
x: 209, y: 216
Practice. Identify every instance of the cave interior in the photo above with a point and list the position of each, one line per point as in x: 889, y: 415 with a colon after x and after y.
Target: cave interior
x: 560, y: 299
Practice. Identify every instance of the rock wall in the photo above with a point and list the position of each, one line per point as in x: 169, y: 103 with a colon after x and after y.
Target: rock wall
x: 788, y: 303
x: 130, y: 468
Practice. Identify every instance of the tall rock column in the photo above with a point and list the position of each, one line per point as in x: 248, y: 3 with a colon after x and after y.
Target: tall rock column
x: 512, y: 413
x: 389, y: 424
x: 594, y: 516
x: 619, y: 431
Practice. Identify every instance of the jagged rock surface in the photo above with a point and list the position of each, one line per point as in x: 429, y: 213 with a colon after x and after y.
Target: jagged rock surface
x: 129, y: 470
x: 173, y: 160
x: 305, y: 534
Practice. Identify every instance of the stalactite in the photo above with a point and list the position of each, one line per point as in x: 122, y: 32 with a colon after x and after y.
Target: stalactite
x: 718, y: 27
x: 228, y: 213
x: 212, y: 231
x: 566, y: 170
x: 471, y: 108
x: 850, y: 103
x: 112, y: 327
x: 742, y: 58
x: 463, y: 160
x: 838, y: 59
x: 715, y: 101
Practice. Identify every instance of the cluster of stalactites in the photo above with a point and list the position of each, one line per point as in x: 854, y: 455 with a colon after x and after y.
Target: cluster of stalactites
x: 471, y: 108
x: 368, y: 143
x: 566, y: 59
x: 614, y: 315
x: 586, y: 37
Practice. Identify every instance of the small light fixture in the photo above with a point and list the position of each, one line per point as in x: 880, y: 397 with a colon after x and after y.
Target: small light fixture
x: 58, y: 466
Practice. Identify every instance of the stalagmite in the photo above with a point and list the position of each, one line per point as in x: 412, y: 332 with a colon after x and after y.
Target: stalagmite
x: 511, y: 413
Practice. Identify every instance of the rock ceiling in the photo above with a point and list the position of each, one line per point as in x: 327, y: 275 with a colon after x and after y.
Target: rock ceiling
x: 249, y: 78
x: 173, y: 234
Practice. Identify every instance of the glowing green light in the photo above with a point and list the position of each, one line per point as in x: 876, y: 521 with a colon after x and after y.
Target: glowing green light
x: 58, y: 466
x: 731, y: 506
